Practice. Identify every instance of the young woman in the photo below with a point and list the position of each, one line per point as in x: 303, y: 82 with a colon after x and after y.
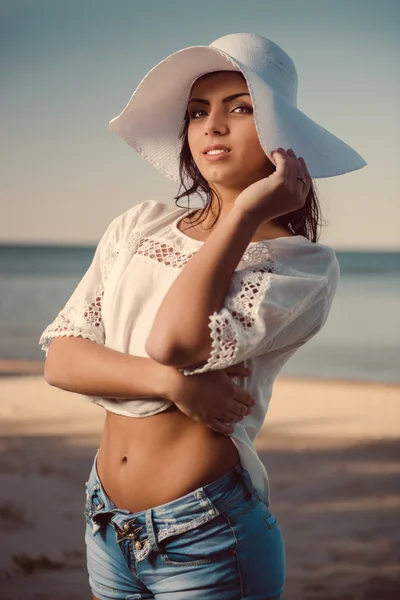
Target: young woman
x: 171, y: 310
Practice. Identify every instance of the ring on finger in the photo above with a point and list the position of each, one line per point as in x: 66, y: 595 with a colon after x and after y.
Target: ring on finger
x: 303, y: 167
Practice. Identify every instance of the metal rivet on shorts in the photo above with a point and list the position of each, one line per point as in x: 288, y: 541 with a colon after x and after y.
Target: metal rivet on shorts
x: 198, y: 495
x: 90, y: 514
x: 211, y: 511
x: 138, y: 545
x: 99, y: 506
x: 126, y: 526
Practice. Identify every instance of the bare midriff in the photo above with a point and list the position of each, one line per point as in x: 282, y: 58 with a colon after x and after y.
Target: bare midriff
x: 148, y: 461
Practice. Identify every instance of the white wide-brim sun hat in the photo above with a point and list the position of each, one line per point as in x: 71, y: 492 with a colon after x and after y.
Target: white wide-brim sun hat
x: 154, y: 115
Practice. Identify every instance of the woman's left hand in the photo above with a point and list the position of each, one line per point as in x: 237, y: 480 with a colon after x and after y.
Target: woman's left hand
x: 279, y: 193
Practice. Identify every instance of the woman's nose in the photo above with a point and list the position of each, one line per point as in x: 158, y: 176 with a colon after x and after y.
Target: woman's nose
x: 215, y: 125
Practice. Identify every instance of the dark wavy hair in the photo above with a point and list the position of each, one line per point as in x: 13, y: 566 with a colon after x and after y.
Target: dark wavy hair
x: 304, y: 221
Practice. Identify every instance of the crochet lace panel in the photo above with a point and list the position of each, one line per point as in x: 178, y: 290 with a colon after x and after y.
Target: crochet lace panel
x: 162, y: 252
x: 166, y: 254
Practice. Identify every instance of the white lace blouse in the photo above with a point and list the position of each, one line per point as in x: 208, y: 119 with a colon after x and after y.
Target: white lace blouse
x: 279, y: 297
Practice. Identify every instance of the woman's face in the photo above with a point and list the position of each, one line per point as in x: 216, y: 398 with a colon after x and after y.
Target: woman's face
x: 215, y: 120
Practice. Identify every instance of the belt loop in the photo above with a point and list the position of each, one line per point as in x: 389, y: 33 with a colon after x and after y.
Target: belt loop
x: 150, y: 531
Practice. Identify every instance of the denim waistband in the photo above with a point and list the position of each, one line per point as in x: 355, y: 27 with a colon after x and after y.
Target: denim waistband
x: 177, y: 516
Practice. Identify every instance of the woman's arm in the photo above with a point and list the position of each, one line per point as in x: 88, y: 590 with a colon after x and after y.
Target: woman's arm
x: 79, y: 365
x: 180, y: 335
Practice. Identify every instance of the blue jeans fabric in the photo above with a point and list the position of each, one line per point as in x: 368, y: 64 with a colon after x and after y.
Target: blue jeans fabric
x: 219, y: 542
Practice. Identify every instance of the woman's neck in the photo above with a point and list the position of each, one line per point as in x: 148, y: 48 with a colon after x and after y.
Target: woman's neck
x: 201, y: 229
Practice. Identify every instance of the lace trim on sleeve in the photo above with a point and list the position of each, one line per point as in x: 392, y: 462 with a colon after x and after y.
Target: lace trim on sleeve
x: 235, y: 322
x: 69, y: 322
x: 84, y: 317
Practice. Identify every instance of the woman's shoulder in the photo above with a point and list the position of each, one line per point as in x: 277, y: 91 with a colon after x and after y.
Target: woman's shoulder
x: 298, y: 255
x: 301, y: 248
x: 137, y: 217
x: 144, y: 211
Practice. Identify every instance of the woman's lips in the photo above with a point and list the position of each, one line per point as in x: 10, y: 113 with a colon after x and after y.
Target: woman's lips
x: 213, y: 157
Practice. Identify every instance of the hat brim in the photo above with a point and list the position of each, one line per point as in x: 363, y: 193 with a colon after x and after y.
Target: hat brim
x: 153, y: 117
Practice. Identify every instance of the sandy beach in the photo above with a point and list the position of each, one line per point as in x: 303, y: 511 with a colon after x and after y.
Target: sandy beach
x: 331, y: 449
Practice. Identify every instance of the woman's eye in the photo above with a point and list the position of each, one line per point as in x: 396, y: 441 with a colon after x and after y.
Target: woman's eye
x: 195, y: 113
x: 245, y: 107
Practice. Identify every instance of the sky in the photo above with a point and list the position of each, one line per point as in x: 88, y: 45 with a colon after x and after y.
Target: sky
x: 68, y: 67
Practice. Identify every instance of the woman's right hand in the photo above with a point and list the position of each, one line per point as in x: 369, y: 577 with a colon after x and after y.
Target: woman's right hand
x: 278, y: 194
x: 211, y: 397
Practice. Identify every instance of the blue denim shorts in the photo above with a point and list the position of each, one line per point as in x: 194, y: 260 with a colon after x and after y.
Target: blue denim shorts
x: 219, y: 542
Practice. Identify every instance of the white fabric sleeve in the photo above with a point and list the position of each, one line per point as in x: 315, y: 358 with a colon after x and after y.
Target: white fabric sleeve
x: 263, y: 312
x: 82, y: 314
